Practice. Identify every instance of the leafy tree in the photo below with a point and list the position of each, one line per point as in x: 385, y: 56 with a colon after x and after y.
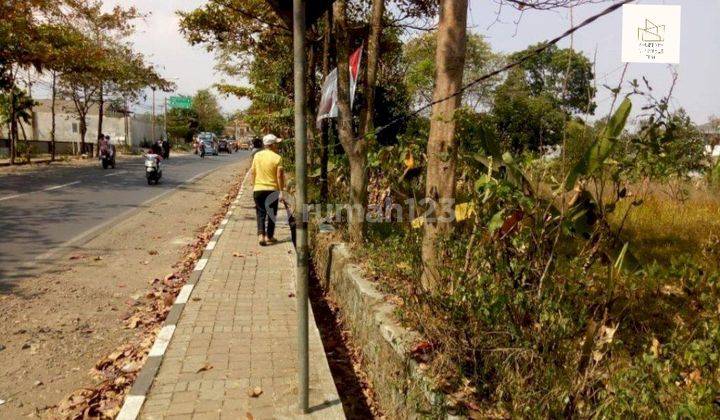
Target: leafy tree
x: 182, y: 123
x: 30, y: 30
x: 209, y: 117
x: 15, y: 107
x: 419, y: 59
x: 526, y: 121
x: 564, y: 75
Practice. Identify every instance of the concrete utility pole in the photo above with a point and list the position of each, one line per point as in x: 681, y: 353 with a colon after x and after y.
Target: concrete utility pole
x: 33, y: 114
x: 153, y: 116
x: 300, y: 196
x: 165, y: 120
x: 127, y: 123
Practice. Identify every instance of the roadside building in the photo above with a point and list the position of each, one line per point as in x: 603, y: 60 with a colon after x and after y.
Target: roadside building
x: 238, y: 129
x: 131, y: 131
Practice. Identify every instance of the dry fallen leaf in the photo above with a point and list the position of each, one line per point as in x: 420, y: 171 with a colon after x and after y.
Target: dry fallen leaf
x: 655, y: 347
x: 238, y: 254
x: 421, y: 351
x: 255, y: 392
x: 249, y: 416
x: 153, y: 252
x: 205, y: 367
x: 98, y: 258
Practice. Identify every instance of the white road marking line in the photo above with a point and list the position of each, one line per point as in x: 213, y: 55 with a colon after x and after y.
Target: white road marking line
x: 211, y: 245
x: 57, y: 187
x: 184, y: 294
x: 8, y: 197
x: 162, y: 340
x: 131, y: 408
x: 202, y: 262
x: 115, y: 173
x: 54, y: 187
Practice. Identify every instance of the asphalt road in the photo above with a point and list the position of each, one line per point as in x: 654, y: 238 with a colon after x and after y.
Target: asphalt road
x: 45, y: 213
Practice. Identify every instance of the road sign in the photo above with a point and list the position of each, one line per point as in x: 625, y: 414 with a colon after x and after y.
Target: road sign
x: 181, y: 102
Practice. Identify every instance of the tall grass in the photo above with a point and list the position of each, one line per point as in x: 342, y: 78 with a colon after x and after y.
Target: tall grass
x: 663, y: 229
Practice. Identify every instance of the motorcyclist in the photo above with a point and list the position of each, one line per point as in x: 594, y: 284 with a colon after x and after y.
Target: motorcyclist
x: 157, y: 148
x: 166, y: 148
x: 151, y: 153
x: 103, y: 142
x: 107, y: 146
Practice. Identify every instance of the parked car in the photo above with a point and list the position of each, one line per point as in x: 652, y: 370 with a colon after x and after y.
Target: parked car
x: 224, y: 146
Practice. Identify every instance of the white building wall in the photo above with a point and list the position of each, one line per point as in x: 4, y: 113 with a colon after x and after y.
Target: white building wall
x: 67, y: 128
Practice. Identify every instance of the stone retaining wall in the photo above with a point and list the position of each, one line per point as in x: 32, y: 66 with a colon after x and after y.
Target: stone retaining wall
x: 401, y: 387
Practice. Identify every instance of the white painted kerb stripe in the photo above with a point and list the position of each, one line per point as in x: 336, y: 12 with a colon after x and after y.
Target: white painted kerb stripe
x: 224, y: 222
x: 229, y: 213
x: 219, y: 231
x: 211, y: 245
x: 202, y: 262
x: 184, y: 294
x: 131, y: 409
x: 162, y: 340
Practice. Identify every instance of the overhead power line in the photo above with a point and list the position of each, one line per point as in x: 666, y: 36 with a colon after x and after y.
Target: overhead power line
x: 532, y: 53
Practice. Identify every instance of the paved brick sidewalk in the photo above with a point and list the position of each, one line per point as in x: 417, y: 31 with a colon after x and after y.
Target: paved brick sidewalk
x: 238, y: 332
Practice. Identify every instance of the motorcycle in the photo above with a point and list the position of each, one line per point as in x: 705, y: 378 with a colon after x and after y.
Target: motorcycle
x: 107, y: 158
x: 153, y: 172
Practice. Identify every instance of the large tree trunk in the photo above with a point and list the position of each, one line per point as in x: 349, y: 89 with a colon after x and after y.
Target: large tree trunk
x: 83, y: 132
x: 325, y: 128
x: 373, y: 51
x: 52, y: 117
x: 355, y: 148
x: 441, y: 148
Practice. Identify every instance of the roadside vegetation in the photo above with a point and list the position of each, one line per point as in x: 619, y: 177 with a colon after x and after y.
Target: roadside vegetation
x: 580, y: 274
x: 579, y: 277
x: 80, y: 52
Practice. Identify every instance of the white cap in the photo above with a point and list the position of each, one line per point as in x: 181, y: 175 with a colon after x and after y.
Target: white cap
x: 270, y: 139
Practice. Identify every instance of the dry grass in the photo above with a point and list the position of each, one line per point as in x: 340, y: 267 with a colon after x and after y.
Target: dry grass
x: 663, y: 228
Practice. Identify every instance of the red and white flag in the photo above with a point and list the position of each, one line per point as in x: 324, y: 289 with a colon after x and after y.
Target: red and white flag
x: 328, y: 98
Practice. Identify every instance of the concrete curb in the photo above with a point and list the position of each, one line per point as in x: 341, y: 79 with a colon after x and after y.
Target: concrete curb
x: 401, y: 386
x: 137, y: 394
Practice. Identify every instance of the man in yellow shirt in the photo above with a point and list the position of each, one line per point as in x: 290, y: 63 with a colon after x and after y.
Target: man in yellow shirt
x: 268, y: 181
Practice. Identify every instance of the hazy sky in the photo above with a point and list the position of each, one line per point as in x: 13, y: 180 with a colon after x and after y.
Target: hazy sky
x: 697, y: 90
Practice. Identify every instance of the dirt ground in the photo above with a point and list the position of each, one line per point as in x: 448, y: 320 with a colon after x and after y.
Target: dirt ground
x: 57, y: 325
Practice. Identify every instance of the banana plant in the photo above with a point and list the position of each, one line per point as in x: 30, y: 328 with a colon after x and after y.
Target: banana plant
x: 582, y: 217
x: 598, y: 152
